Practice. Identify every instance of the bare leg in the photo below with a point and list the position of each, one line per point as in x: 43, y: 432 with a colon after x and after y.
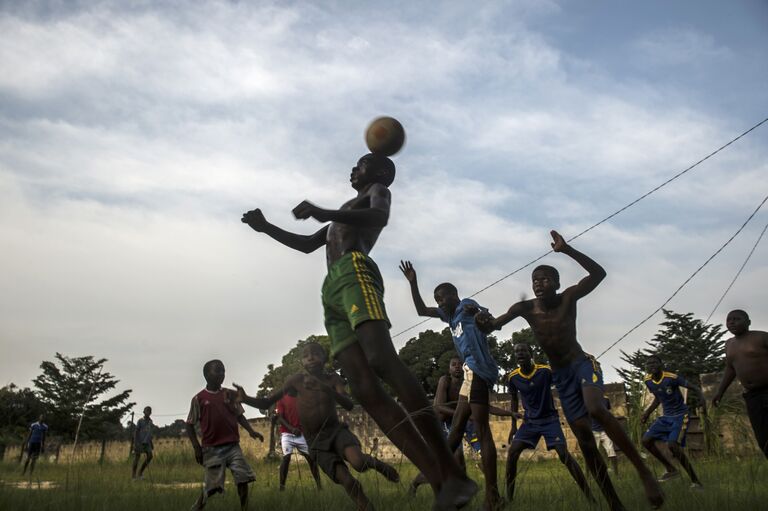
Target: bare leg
x: 651, y: 447
x: 26, y: 462
x: 242, y: 492
x: 575, y: 471
x: 352, y: 487
x: 513, y: 454
x: 615, y: 464
x: 487, y: 454
x: 362, y: 462
x: 313, y: 470
x: 200, y: 502
x: 32, y: 464
x: 144, y: 465
x: 582, y: 428
x: 679, y: 453
x: 285, y: 463
x: 135, y: 464
x: 593, y: 399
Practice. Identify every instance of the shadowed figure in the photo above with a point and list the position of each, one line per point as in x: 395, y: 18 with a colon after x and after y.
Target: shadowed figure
x: 35, y: 443
x: 142, y: 443
x: 357, y: 324
x: 292, y: 438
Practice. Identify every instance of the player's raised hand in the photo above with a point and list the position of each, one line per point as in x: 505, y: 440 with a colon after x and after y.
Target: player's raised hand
x: 306, y: 209
x: 241, y: 395
x: 471, y: 309
x: 558, y: 243
x: 255, y: 219
x: 407, y: 268
x: 484, y: 321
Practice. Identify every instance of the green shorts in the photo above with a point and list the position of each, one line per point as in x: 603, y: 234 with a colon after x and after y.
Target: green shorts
x: 353, y: 292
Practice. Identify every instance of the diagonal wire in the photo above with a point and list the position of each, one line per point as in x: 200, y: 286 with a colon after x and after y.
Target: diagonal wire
x: 737, y: 273
x: 615, y: 213
x: 749, y: 218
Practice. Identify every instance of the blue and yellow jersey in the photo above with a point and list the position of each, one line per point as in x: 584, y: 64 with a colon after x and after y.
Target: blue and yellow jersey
x: 667, y: 391
x: 535, y: 390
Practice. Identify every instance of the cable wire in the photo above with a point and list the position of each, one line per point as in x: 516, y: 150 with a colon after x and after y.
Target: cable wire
x: 749, y: 218
x: 737, y: 273
x: 615, y: 213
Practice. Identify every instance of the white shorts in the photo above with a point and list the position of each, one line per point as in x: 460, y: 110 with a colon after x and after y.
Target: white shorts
x: 289, y: 442
x: 601, y: 437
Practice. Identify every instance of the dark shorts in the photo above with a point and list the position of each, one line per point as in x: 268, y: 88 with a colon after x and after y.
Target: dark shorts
x: 353, y: 292
x: 474, y: 388
x: 530, y: 433
x: 143, y: 448
x: 757, y: 409
x: 34, y: 448
x: 569, y: 381
x: 327, y: 447
x: 669, y: 428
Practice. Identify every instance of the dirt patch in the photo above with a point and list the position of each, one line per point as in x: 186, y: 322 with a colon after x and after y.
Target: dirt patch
x: 175, y: 486
x: 33, y: 485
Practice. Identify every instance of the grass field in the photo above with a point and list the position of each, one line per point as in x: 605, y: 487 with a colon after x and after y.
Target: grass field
x: 173, y: 482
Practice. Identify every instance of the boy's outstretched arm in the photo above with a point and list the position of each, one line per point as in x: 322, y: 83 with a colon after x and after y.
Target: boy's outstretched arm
x: 596, y: 272
x: 376, y: 215
x: 247, y: 426
x: 728, y: 376
x: 487, y: 323
x: 649, y: 411
x: 192, y: 434
x: 303, y: 243
x: 421, y: 308
x: 440, y: 404
x: 262, y: 403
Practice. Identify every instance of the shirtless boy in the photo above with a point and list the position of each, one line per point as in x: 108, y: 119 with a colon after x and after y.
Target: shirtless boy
x: 331, y: 443
x: 480, y: 371
x: 672, y: 426
x: 579, y: 381
x: 746, y: 358
x: 533, y: 382
x: 358, y: 326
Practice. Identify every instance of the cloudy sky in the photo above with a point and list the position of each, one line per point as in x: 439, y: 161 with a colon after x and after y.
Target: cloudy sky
x: 133, y: 138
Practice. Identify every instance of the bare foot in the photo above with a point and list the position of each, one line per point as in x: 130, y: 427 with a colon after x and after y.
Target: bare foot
x: 653, y: 491
x: 455, y: 494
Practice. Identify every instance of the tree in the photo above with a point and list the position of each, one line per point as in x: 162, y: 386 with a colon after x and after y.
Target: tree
x: 427, y: 356
x: 687, y: 346
x: 79, y: 382
x: 19, y: 407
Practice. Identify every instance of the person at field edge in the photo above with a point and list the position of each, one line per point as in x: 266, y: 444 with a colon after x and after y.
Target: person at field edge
x: 142, y: 443
x: 35, y: 443
x: 292, y: 437
x: 604, y: 441
x: 746, y: 358
x: 216, y: 410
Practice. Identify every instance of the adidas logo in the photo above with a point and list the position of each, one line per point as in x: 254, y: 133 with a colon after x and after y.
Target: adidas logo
x: 354, y: 309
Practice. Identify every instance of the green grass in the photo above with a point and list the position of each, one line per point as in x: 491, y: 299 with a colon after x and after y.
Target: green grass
x: 737, y: 484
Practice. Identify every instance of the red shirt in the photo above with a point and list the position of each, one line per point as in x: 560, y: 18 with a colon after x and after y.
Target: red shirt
x: 217, y: 415
x: 290, y: 412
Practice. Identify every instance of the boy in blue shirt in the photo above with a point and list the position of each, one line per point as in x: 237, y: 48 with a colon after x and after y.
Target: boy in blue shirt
x: 672, y: 425
x: 579, y: 381
x: 35, y: 443
x: 480, y: 371
x: 142, y: 443
x: 534, y: 382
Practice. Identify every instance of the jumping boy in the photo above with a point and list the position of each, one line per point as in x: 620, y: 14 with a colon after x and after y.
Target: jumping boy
x: 534, y: 382
x: 35, y: 443
x: 746, y: 358
x: 218, y: 413
x: 358, y: 326
x: 672, y: 425
x: 142, y: 442
x: 579, y: 381
x: 480, y: 371
x: 292, y: 437
x: 331, y: 443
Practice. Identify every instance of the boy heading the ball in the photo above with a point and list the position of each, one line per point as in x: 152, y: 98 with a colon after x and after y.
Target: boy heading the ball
x: 356, y: 321
x: 577, y: 376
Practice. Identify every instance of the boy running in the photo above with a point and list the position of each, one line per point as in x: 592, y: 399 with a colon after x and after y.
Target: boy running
x: 357, y: 323
x: 142, y: 442
x: 331, y: 443
x: 35, y: 443
x: 672, y: 425
x: 746, y: 358
x: 534, y: 382
x: 579, y: 381
x: 480, y: 371
x: 216, y: 411
x: 291, y: 437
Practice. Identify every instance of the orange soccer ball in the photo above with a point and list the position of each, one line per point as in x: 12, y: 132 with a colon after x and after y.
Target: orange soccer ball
x: 385, y: 136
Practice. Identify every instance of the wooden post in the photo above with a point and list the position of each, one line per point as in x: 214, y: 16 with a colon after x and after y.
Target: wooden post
x: 103, y: 450
x: 58, y: 451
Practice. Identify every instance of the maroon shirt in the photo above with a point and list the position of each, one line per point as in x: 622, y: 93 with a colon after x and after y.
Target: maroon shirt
x: 290, y: 412
x: 217, y: 414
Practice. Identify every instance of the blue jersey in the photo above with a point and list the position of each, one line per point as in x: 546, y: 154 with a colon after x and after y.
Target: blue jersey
x: 38, y: 429
x: 471, y: 344
x: 536, y: 392
x: 667, y: 391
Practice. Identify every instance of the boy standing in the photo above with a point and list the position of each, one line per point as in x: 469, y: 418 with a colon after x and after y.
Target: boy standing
x: 746, y: 358
x: 291, y: 437
x: 603, y: 440
x: 35, y: 443
x: 217, y: 412
x: 357, y: 323
x: 142, y: 442
x: 480, y: 371
x: 331, y: 443
x: 534, y: 382
x: 579, y: 381
x: 672, y: 425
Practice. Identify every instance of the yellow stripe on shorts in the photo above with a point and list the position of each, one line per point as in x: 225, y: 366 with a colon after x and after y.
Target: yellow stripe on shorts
x: 363, y: 286
x: 371, y: 290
